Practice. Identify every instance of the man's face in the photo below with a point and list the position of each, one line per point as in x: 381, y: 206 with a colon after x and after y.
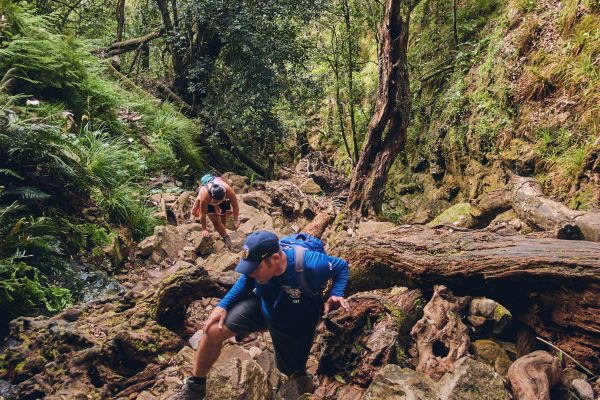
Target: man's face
x: 266, y: 269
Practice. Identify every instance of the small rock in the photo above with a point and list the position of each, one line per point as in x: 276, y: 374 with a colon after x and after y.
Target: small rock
x: 145, y: 395
x: 195, y: 339
x: 254, y: 352
x: 583, y: 389
x: 568, y: 375
x: 147, y: 245
x: 309, y: 186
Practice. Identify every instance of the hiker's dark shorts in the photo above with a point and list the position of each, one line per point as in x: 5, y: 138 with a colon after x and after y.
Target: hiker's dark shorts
x: 291, y: 352
x: 224, y: 206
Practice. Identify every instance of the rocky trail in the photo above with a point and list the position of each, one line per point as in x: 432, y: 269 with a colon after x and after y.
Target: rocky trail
x: 439, y: 312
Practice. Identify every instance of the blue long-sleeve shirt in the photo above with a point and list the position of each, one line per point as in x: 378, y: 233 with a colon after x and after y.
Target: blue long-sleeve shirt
x: 283, y: 301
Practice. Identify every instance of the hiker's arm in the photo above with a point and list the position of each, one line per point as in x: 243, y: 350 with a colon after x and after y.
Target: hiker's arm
x: 203, y: 212
x: 242, y: 287
x: 339, y: 273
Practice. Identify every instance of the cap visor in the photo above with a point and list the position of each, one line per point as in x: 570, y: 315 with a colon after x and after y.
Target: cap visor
x: 246, y: 267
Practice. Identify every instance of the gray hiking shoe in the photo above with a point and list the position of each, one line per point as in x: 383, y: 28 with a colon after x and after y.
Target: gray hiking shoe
x: 191, y: 391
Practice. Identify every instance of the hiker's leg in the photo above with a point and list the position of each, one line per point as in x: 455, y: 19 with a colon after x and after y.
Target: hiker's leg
x: 291, y: 352
x: 209, y: 349
x: 226, y: 211
x: 245, y: 317
x: 219, y: 227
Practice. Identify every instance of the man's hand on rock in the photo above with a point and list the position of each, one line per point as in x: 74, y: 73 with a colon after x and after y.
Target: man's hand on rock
x: 236, y: 225
x: 334, y: 302
x: 217, y: 316
x: 205, y: 233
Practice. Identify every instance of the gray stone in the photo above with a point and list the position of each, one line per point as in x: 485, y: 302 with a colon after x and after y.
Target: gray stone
x: 583, y: 389
x: 236, y: 376
x: 257, y: 199
x: 395, y: 383
x: 195, y: 339
x: 309, y: 186
x: 568, y: 375
x: 221, y: 262
x: 146, y: 246
x: 469, y: 379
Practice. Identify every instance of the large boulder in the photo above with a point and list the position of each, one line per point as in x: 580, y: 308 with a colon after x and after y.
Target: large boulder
x: 469, y: 379
x: 396, y: 383
x: 458, y: 215
x: 236, y: 376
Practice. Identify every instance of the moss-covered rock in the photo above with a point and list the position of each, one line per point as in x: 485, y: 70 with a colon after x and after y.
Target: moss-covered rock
x: 459, y: 215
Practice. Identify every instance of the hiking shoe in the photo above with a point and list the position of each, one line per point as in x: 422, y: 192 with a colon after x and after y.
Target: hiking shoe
x: 304, y: 383
x: 191, y: 391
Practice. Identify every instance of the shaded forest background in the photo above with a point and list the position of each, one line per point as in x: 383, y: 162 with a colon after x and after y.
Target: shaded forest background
x: 100, y: 100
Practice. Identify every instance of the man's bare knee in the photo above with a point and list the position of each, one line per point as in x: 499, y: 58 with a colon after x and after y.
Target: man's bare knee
x: 218, y: 335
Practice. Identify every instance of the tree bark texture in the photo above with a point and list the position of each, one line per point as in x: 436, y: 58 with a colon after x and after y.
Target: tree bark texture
x: 180, y: 82
x: 441, y: 336
x: 533, y: 375
x: 318, y: 225
x: 387, y: 130
x: 550, y: 285
x: 541, y: 212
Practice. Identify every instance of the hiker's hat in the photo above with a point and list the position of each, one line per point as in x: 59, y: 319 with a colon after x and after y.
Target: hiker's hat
x: 216, y: 191
x: 258, y: 246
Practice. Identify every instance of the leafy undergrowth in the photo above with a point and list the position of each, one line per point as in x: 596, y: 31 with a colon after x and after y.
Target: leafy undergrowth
x: 75, y: 151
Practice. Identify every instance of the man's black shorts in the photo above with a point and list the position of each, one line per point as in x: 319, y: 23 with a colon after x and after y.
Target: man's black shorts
x: 291, y: 351
x: 224, y: 206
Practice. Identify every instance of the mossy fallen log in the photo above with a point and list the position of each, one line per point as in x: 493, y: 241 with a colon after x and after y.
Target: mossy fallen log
x: 550, y: 285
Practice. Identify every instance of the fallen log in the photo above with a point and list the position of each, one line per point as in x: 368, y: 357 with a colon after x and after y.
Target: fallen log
x: 533, y: 375
x: 126, y: 45
x: 486, y: 207
x: 318, y: 225
x: 550, y: 285
x: 533, y: 207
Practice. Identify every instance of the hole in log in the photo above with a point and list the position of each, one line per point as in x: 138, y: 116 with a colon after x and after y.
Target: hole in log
x: 95, y: 377
x: 439, y: 349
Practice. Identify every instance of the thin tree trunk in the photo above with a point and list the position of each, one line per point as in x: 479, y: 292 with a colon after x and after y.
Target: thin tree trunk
x: 454, y: 30
x: 338, y: 101
x: 179, y: 76
x: 387, y: 130
x: 350, y: 81
x: 120, y: 15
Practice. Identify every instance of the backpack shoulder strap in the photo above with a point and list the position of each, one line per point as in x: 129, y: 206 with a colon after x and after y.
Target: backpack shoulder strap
x: 299, y: 267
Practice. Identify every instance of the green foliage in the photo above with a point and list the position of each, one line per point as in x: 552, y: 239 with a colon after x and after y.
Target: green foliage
x: 51, y: 65
x: 123, y: 205
x: 24, y: 290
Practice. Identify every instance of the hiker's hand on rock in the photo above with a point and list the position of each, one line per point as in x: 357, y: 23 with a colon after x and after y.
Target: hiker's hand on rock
x: 217, y: 316
x: 205, y: 233
x: 236, y: 225
x: 334, y: 302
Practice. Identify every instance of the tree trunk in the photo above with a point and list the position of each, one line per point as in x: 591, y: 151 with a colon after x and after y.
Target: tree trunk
x: 120, y: 15
x: 532, y: 207
x: 549, y: 285
x: 127, y: 45
x: 180, y: 83
x: 387, y: 130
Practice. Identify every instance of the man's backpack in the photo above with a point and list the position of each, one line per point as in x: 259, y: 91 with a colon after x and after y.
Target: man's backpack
x: 301, y: 242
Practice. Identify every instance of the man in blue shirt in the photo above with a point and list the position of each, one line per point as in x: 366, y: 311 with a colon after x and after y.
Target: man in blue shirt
x: 270, y: 296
